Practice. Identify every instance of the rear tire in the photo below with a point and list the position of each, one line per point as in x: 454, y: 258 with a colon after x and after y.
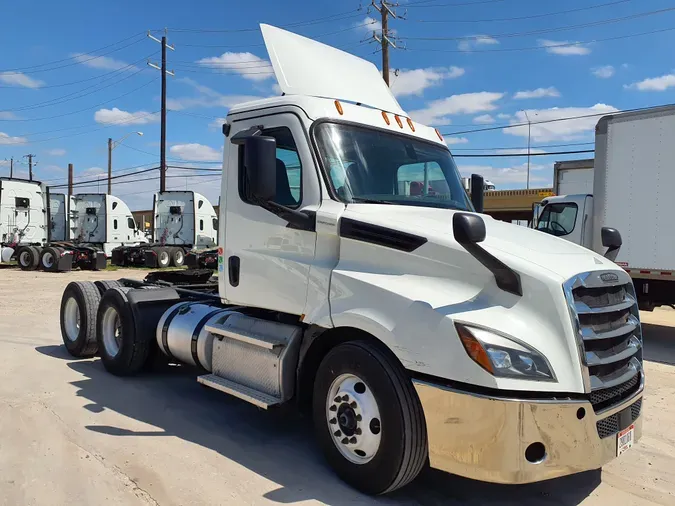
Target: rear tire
x: 105, y: 285
x: 163, y: 257
x: 382, y: 444
x: 79, y: 305
x: 177, y: 257
x: 123, y: 352
x: 49, y: 259
x: 28, y: 258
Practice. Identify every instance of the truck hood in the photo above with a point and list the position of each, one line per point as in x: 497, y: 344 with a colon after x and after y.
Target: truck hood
x: 503, y: 240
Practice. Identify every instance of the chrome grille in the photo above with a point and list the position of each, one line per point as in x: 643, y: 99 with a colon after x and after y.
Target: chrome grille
x: 611, y: 425
x: 605, y: 315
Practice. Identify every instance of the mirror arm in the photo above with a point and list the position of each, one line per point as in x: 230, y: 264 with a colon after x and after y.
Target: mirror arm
x: 296, y: 219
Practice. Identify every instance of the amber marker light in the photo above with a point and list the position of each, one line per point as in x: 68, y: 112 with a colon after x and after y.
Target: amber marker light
x: 386, y: 118
x: 338, y: 106
x: 410, y: 124
x: 474, y: 348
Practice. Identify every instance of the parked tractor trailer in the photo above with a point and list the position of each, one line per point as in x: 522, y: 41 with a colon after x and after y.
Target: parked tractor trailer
x: 56, y: 232
x: 413, y: 329
x: 627, y: 187
x: 185, y: 231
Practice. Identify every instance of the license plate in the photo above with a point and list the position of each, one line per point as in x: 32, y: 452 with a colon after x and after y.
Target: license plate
x: 624, y: 439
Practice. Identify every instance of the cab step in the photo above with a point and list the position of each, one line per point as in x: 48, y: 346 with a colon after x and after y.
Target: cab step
x: 260, y: 399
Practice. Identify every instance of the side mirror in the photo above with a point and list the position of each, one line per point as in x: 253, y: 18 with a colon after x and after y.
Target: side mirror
x: 260, y: 161
x: 468, y: 228
x: 611, y: 239
x: 477, y: 192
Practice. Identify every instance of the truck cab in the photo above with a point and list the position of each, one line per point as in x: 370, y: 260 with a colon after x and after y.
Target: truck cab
x: 569, y: 217
x: 410, y: 325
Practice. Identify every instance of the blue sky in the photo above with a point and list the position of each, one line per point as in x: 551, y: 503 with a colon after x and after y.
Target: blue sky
x: 466, y: 65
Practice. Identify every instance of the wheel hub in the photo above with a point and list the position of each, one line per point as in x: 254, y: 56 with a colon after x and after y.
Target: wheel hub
x: 71, y: 319
x: 353, y: 418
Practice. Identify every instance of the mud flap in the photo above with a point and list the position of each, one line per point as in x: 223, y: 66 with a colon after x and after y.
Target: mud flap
x: 99, y: 261
x: 151, y: 259
x: 117, y: 257
x: 192, y: 260
x: 65, y: 262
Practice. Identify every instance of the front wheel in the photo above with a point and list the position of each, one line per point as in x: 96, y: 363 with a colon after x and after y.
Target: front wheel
x: 368, y: 418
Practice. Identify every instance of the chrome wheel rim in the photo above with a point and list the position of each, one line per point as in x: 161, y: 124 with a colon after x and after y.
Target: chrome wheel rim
x: 71, y: 319
x: 163, y: 257
x: 353, y: 418
x: 179, y: 257
x: 111, y: 329
x: 47, y: 260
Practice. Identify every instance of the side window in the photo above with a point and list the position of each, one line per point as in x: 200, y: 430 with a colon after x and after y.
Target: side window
x: 201, y: 224
x: 115, y: 224
x: 215, y: 223
x: 421, y: 179
x: 131, y: 223
x: 21, y: 203
x: 289, y: 169
x: 558, y: 219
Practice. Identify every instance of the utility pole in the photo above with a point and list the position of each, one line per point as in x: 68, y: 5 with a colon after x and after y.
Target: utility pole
x: 384, y: 8
x: 11, y: 167
x: 110, y: 148
x: 529, y: 137
x: 30, y: 165
x: 70, y: 179
x: 162, y: 140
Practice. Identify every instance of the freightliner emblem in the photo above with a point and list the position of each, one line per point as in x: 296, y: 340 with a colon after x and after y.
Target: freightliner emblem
x: 609, y: 277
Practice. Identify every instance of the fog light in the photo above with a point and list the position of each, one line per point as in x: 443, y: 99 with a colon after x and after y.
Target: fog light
x: 535, y: 453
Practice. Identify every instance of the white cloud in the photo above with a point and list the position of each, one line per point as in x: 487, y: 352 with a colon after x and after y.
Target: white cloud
x: 20, y: 79
x: 56, y: 152
x: 217, y: 123
x: 415, y: 81
x: 7, y: 115
x: 451, y: 141
x: 538, y: 93
x: 93, y: 171
x: 437, y: 111
x: 207, y: 97
x: 502, y: 115
x: 53, y: 169
x: 568, y: 130
x: 474, y: 41
x: 101, y: 62
x: 277, y: 89
x: 369, y: 24
x: 564, y: 47
x: 661, y: 83
x: 514, y: 176
x: 8, y: 139
x: 197, y: 152
x: 115, y: 115
x: 519, y: 151
x: 604, y: 72
x: 484, y: 119
x: 247, y: 65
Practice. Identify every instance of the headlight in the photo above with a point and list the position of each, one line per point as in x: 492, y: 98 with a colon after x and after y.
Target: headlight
x: 503, y: 357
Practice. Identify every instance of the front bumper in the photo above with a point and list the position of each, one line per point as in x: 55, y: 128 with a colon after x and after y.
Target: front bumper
x: 486, y: 438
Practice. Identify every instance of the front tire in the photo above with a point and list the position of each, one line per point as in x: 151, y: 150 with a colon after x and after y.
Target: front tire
x: 79, y: 305
x: 368, y: 419
x: 28, y: 258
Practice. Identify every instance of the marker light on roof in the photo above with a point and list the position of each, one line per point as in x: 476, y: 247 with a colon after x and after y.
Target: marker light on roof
x: 338, y: 106
x: 398, y: 121
x: 386, y: 118
x: 439, y: 134
x: 410, y: 124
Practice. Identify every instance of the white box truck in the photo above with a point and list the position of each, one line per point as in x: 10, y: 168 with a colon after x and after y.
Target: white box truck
x: 573, y: 177
x: 631, y: 188
x: 413, y: 328
x: 185, y: 229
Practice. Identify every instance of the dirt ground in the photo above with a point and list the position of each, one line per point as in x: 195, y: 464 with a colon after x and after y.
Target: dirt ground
x: 72, y: 434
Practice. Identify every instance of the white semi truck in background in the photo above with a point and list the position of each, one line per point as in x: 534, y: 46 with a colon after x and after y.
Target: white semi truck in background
x: 627, y: 187
x: 413, y: 328
x: 55, y: 232
x: 185, y: 229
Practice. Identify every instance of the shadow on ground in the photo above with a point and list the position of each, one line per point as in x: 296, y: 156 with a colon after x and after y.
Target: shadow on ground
x: 279, y: 444
x: 659, y: 343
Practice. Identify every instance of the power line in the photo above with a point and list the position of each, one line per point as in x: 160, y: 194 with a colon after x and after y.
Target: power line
x: 540, y: 146
x: 458, y: 4
x: 545, y: 47
x: 519, y: 18
x: 96, y: 181
x: 114, y: 171
x: 197, y: 168
x: 544, y: 31
x: 21, y: 69
x: 505, y: 155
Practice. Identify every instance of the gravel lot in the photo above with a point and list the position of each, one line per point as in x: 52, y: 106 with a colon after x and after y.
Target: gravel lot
x: 72, y: 434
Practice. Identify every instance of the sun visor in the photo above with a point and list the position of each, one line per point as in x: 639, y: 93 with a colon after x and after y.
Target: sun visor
x: 306, y: 67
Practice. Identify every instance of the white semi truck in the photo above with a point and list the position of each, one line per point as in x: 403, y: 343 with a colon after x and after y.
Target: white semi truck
x: 41, y: 230
x: 185, y: 228
x: 627, y: 187
x: 412, y: 328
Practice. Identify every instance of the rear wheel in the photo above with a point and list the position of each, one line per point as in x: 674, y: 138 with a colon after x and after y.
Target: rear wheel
x: 28, y: 258
x: 163, y: 257
x: 49, y: 259
x: 107, y: 285
x: 177, y: 257
x: 123, y: 351
x: 368, y: 418
x: 78, y: 318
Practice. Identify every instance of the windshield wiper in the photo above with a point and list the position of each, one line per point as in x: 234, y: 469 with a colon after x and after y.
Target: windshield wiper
x: 371, y: 201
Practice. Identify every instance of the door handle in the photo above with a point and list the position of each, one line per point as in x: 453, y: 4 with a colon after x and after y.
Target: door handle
x: 233, y: 270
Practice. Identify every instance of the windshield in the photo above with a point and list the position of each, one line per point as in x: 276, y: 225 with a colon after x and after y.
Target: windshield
x: 367, y: 165
x: 558, y: 219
